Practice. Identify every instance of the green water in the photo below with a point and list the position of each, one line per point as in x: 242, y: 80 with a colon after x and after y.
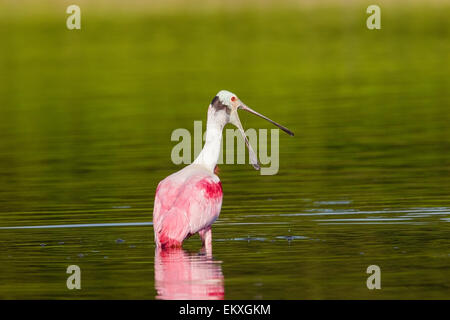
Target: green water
x: 85, y: 124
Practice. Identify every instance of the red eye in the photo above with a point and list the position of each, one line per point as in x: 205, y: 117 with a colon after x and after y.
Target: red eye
x: 233, y: 98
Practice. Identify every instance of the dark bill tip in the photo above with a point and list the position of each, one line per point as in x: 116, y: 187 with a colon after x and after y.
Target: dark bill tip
x: 289, y: 132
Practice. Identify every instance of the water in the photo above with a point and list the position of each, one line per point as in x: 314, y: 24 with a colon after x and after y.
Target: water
x: 86, y: 119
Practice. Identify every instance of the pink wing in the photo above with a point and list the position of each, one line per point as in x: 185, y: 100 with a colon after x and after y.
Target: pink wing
x: 184, y: 206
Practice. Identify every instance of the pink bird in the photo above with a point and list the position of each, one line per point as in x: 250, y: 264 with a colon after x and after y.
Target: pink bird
x: 189, y: 201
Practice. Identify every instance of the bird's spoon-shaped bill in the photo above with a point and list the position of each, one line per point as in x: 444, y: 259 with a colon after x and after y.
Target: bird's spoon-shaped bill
x: 234, y: 119
x: 244, y: 107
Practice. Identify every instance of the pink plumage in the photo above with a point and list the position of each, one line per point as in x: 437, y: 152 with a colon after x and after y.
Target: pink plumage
x: 189, y: 201
x: 186, y: 202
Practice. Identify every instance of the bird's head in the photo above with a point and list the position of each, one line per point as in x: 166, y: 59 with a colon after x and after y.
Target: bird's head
x: 225, y: 106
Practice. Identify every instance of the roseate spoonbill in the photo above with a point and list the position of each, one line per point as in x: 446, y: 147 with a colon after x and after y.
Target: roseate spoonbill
x: 189, y: 201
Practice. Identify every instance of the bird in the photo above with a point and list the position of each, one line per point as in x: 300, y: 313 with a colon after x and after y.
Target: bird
x: 189, y: 201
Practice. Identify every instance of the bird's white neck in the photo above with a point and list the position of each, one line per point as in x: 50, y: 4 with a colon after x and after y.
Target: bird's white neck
x: 210, y: 153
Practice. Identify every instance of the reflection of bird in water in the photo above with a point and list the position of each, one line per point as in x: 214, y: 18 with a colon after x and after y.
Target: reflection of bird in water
x: 183, y: 276
x: 189, y: 201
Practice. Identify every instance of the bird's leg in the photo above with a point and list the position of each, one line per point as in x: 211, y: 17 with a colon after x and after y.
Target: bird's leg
x: 206, y: 236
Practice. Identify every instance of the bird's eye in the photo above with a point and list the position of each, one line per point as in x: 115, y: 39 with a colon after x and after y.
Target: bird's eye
x: 233, y: 99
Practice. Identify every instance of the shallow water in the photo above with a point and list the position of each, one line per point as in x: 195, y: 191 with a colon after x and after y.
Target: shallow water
x: 85, y: 125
